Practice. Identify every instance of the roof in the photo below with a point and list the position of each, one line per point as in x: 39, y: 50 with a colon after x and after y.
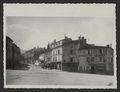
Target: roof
x: 9, y: 39
x: 72, y: 41
x: 88, y: 46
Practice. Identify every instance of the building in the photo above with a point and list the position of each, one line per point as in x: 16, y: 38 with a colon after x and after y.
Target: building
x: 17, y: 54
x: 9, y: 52
x: 78, y: 56
x: 64, y: 53
x: 56, y: 54
x: 96, y: 59
x: 48, y: 54
x: 13, y: 54
x: 70, y: 48
x: 32, y: 55
x: 45, y: 58
x: 29, y: 57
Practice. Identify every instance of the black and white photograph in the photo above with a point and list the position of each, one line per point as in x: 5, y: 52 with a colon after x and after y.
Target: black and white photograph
x: 60, y: 46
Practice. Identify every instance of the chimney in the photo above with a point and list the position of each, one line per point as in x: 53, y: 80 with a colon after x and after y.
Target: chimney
x: 54, y: 40
x: 82, y: 38
x: 79, y: 37
x: 108, y: 45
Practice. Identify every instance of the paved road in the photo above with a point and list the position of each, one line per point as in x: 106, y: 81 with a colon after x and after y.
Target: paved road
x: 38, y: 76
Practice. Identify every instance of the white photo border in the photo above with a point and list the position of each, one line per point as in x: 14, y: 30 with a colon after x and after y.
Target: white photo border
x: 10, y: 10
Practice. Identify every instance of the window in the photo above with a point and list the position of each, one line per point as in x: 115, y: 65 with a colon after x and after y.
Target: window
x: 71, y: 59
x: 59, y: 43
x: 71, y: 51
x: 53, y: 53
x: 64, y: 61
x: 92, y: 59
x: 88, y: 51
x: 53, y: 59
x: 88, y: 59
x: 100, y: 59
x: 104, y: 60
x: 56, y: 59
x: 58, y: 51
x: 100, y: 51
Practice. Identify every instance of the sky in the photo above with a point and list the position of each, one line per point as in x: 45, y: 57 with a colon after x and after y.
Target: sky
x: 29, y: 32
x: 32, y: 25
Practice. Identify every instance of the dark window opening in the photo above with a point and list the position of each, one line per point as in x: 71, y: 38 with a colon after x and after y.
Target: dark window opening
x: 100, y: 51
x: 71, y: 51
x: 64, y: 61
x: 92, y: 59
x: 104, y: 60
x: 58, y: 51
x: 100, y: 59
x: 88, y: 59
x: 71, y: 59
x: 88, y: 51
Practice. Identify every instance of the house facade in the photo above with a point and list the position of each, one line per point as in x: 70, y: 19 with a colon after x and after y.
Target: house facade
x: 29, y: 57
x: 56, y: 54
x: 79, y: 56
x: 63, y: 53
x: 96, y: 59
x: 70, y: 48
x: 13, y: 54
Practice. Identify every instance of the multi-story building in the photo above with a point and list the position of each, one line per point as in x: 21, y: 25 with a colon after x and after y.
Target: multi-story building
x: 96, y: 59
x: 64, y: 53
x: 17, y: 54
x: 29, y: 56
x: 13, y: 54
x: 79, y: 56
x: 70, y: 48
x: 32, y: 55
x: 9, y: 52
x: 48, y: 54
x: 56, y: 54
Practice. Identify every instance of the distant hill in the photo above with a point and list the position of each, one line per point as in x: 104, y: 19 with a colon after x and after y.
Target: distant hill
x: 35, y: 51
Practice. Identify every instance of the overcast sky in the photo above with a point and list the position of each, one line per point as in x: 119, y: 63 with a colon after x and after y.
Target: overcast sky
x: 29, y: 32
x: 31, y: 25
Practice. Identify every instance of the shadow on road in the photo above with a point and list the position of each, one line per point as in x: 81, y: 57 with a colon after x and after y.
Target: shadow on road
x: 22, y: 67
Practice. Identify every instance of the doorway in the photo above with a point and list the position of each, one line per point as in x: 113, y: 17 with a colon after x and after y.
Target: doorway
x: 92, y: 69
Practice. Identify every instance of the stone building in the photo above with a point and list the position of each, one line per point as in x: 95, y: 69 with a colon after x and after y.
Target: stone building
x: 96, y: 59
x: 45, y: 58
x: 29, y: 57
x: 17, y: 54
x: 56, y: 54
x: 9, y: 52
x: 48, y: 54
x: 32, y: 55
x: 64, y: 53
x: 13, y: 54
x: 70, y: 48
x: 78, y: 56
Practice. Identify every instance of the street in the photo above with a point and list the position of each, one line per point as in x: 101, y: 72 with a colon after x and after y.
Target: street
x: 38, y: 76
